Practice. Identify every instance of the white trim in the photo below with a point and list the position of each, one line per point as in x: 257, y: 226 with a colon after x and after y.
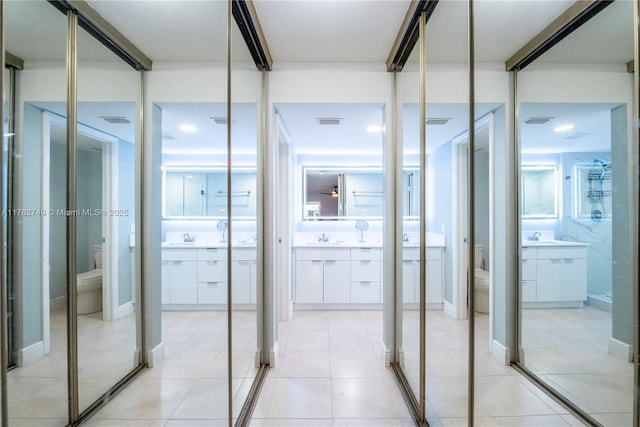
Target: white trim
x: 621, y: 349
x: 500, y: 352
x: 257, y: 358
x: 273, y: 355
x: 59, y: 303
x: 45, y: 267
x: 449, y: 309
x: 459, y: 232
x: 386, y: 351
x: 31, y: 353
x: 155, y: 355
x: 125, y: 309
x: 492, y: 227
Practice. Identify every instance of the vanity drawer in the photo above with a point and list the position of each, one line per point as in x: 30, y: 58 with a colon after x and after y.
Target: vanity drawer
x: 563, y: 252
x: 248, y: 254
x: 325, y: 254
x: 365, y: 270
x: 212, y: 271
x: 365, y: 292
x: 205, y: 254
x: 212, y: 292
x: 178, y: 255
x: 373, y: 254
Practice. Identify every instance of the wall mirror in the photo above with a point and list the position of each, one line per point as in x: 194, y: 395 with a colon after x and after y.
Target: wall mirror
x: 539, y: 191
x: 352, y: 193
x: 201, y: 193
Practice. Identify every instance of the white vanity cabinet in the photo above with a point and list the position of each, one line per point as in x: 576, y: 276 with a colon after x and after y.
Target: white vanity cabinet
x: 322, y: 275
x: 554, y: 276
x: 179, y: 276
x: 243, y: 273
x: 434, y: 276
x: 366, y: 275
x: 212, y: 276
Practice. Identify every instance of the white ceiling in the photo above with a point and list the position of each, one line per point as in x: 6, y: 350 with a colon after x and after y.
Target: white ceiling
x: 329, y: 31
x: 591, y: 127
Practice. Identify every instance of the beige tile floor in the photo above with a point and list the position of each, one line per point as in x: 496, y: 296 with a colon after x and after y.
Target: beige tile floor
x: 568, y: 349
x: 329, y: 373
x: 37, y: 392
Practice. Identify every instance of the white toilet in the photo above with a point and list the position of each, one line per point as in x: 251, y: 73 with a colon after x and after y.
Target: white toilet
x: 481, y: 283
x: 90, y: 286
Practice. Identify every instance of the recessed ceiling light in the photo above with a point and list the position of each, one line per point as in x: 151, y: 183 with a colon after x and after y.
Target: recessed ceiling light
x: 374, y: 128
x: 563, y: 128
x: 188, y: 128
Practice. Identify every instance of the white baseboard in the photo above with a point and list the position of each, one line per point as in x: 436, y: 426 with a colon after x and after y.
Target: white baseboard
x: 401, y: 358
x: 621, y: 349
x: 500, y: 352
x: 449, y: 309
x: 387, y: 355
x: 273, y: 356
x: 59, y: 303
x: 155, y: 355
x: 126, y: 309
x: 30, y: 353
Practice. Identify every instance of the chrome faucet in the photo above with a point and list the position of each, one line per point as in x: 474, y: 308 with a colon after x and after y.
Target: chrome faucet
x: 324, y: 238
x: 534, y: 237
x: 187, y: 238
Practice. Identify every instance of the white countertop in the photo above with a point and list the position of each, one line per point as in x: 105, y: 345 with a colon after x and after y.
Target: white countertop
x: 205, y: 245
x: 551, y: 243
x: 341, y: 244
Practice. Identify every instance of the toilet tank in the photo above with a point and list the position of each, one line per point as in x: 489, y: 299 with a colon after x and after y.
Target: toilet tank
x: 97, y: 256
x: 478, y: 256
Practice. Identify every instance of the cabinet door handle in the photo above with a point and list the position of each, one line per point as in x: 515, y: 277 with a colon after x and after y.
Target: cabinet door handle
x: 365, y: 261
x: 212, y: 284
x: 408, y: 262
x: 213, y: 250
x: 316, y: 261
x: 330, y: 261
x: 568, y: 260
x: 556, y: 260
x: 365, y: 283
x: 243, y: 262
x: 176, y: 262
x: 212, y: 262
x: 165, y: 262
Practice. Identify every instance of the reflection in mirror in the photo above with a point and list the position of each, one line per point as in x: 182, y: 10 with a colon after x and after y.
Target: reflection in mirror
x: 352, y: 193
x: 192, y: 192
x: 37, y: 381
x: 246, y: 265
x: 576, y: 287
x: 539, y: 191
x: 106, y: 297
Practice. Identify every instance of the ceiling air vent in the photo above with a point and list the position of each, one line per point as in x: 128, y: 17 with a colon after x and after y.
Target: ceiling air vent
x: 220, y: 120
x: 168, y: 137
x: 116, y: 120
x: 538, y: 120
x: 437, y: 121
x: 329, y: 121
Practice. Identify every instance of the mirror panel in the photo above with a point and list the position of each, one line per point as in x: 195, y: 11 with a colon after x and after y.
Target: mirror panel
x: 107, y: 112
x: 576, y: 113
x: 331, y: 193
x: 539, y: 191
x: 200, y: 193
x: 36, y: 287
x: 246, y: 228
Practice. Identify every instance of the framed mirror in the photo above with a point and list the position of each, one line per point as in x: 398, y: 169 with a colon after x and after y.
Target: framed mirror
x: 201, y: 193
x: 539, y: 191
x: 352, y: 193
